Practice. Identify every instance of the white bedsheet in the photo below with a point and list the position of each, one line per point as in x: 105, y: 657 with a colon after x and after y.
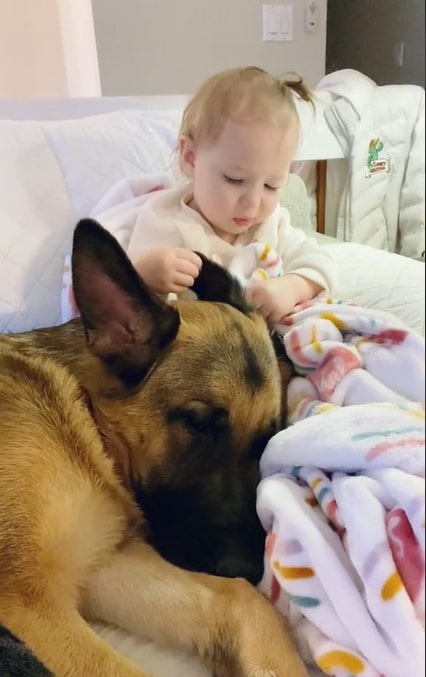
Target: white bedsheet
x: 162, y: 661
x: 375, y: 278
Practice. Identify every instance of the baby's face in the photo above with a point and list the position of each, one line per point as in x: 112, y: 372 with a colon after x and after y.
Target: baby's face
x: 237, y: 180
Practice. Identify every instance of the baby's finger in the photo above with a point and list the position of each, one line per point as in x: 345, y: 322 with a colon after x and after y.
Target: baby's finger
x: 182, y: 282
x: 191, y: 257
x: 187, y: 268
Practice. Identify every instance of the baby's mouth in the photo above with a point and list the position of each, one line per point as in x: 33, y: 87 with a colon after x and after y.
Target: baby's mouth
x: 242, y: 222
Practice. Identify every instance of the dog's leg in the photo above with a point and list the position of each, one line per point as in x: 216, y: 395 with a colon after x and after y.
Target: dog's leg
x: 64, y: 642
x: 229, y: 622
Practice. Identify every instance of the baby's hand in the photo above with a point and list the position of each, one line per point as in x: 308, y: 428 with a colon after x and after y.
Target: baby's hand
x: 273, y: 298
x: 168, y: 269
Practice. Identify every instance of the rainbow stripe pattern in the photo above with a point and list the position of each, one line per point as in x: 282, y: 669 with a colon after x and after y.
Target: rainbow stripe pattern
x: 342, y: 497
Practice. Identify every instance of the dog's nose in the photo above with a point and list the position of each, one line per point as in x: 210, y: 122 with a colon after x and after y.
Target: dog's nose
x: 235, y: 566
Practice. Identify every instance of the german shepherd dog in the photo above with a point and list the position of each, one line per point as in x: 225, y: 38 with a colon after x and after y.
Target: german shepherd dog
x: 129, y: 448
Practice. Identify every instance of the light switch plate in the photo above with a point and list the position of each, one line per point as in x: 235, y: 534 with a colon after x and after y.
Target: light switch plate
x: 277, y: 23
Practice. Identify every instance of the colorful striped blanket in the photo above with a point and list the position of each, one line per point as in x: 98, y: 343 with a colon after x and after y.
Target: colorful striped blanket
x: 343, y: 494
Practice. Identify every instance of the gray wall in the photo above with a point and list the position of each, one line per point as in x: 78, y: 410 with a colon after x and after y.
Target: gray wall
x: 362, y: 34
x: 170, y: 46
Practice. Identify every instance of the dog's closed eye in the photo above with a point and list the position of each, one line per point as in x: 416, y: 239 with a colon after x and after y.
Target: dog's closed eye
x: 200, y: 417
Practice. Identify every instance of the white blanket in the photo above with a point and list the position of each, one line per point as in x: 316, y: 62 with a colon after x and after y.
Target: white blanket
x: 117, y: 211
x: 343, y: 494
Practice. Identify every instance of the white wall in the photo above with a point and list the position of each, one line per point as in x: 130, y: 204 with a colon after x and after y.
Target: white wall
x: 47, y: 49
x: 170, y: 46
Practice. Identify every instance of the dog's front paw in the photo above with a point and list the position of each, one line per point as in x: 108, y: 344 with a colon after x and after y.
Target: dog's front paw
x: 265, y: 647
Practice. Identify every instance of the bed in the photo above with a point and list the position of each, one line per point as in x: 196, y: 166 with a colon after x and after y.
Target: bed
x: 57, y: 159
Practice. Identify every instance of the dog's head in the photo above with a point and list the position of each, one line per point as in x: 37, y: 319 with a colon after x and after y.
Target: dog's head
x: 191, y: 396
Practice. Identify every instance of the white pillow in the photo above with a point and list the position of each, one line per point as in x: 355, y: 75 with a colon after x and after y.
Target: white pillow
x: 36, y: 217
x: 51, y: 174
x: 96, y: 152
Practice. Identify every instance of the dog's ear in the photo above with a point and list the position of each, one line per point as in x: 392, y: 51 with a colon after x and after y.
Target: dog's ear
x: 126, y: 324
x: 214, y: 283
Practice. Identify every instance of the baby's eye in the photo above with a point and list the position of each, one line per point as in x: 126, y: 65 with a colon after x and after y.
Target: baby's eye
x: 273, y: 188
x: 230, y: 179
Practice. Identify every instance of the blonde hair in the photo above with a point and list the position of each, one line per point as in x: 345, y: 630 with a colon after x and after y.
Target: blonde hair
x: 248, y: 94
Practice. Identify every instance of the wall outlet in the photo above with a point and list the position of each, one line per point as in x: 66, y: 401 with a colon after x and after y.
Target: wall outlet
x: 311, y: 16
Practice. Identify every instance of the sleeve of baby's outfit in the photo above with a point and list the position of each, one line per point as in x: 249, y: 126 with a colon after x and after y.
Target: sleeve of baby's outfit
x: 302, y: 255
x: 153, y: 230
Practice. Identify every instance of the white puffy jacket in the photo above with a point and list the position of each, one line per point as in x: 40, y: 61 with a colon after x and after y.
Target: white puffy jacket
x: 377, y: 195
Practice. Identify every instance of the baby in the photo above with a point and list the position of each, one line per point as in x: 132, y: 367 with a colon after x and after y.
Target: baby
x: 238, y: 138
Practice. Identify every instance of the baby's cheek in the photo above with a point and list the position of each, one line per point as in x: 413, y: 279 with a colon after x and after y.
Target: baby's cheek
x: 271, y: 203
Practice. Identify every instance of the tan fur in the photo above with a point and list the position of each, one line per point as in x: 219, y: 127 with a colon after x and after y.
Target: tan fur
x: 71, y: 536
